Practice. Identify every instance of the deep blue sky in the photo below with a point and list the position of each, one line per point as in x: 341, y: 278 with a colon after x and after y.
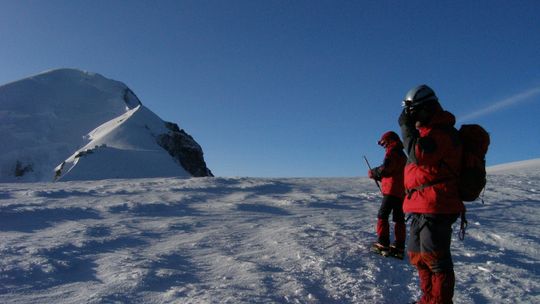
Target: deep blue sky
x: 295, y: 88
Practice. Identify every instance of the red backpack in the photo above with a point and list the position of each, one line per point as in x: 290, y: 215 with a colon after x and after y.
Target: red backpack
x: 472, y: 180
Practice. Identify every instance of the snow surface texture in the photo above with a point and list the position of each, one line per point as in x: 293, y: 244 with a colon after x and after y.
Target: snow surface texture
x: 48, y: 117
x: 248, y: 240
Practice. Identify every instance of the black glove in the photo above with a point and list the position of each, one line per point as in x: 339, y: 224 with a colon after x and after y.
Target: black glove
x: 406, y: 119
x: 374, y: 174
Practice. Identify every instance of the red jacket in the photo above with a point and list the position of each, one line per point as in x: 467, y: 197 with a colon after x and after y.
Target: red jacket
x: 391, y: 171
x: 433, y: 166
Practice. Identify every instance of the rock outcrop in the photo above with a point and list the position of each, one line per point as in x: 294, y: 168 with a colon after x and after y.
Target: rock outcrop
x: 184, y: 149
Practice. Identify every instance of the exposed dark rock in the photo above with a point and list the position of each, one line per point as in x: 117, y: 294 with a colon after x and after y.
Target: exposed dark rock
x: 182, y: 147
x: 58, y: 171
x: 131, y: 99
x: 21, y: 169
x: 172, y: 126
x: 89, y: 151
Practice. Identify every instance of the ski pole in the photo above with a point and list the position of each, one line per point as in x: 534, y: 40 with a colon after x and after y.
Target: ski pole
x: 376, y: 182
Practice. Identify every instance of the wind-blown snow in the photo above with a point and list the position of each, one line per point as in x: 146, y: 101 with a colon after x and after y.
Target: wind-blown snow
x: 247, y: 240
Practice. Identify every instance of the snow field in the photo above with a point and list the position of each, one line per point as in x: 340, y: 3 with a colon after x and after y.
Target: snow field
x: 247, y: 240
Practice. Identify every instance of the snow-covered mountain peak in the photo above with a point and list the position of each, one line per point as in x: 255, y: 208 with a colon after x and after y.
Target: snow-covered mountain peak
x: 47, y: 117
x: 71, y: 87
x: 66, y: 74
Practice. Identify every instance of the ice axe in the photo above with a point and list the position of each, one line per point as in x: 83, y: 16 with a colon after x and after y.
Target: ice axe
x: 376, y: 182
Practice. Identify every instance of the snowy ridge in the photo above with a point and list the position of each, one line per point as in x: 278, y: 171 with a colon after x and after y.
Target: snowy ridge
x: 247, y: 240
x: 124, y: 147
x: 527, y: 165
x: 46, y: 120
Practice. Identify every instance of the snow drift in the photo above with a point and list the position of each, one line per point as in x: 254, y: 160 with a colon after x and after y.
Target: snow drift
x: 73, y: 125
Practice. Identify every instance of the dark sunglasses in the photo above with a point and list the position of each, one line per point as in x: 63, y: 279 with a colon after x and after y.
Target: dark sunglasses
x: 406, y: 103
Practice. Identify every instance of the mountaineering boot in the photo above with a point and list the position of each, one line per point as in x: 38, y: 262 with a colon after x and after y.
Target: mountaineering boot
x: 380, y: 249
x: 396, y: 251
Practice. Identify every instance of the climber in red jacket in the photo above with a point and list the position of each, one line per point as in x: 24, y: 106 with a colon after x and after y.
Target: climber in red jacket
x: 390, y: 173
x: 433, y: 200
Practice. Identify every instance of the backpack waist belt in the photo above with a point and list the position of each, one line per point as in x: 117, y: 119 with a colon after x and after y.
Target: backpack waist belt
x: 409, y: 192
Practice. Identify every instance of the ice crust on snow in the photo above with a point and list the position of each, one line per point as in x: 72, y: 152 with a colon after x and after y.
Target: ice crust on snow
x: 248, y: 240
